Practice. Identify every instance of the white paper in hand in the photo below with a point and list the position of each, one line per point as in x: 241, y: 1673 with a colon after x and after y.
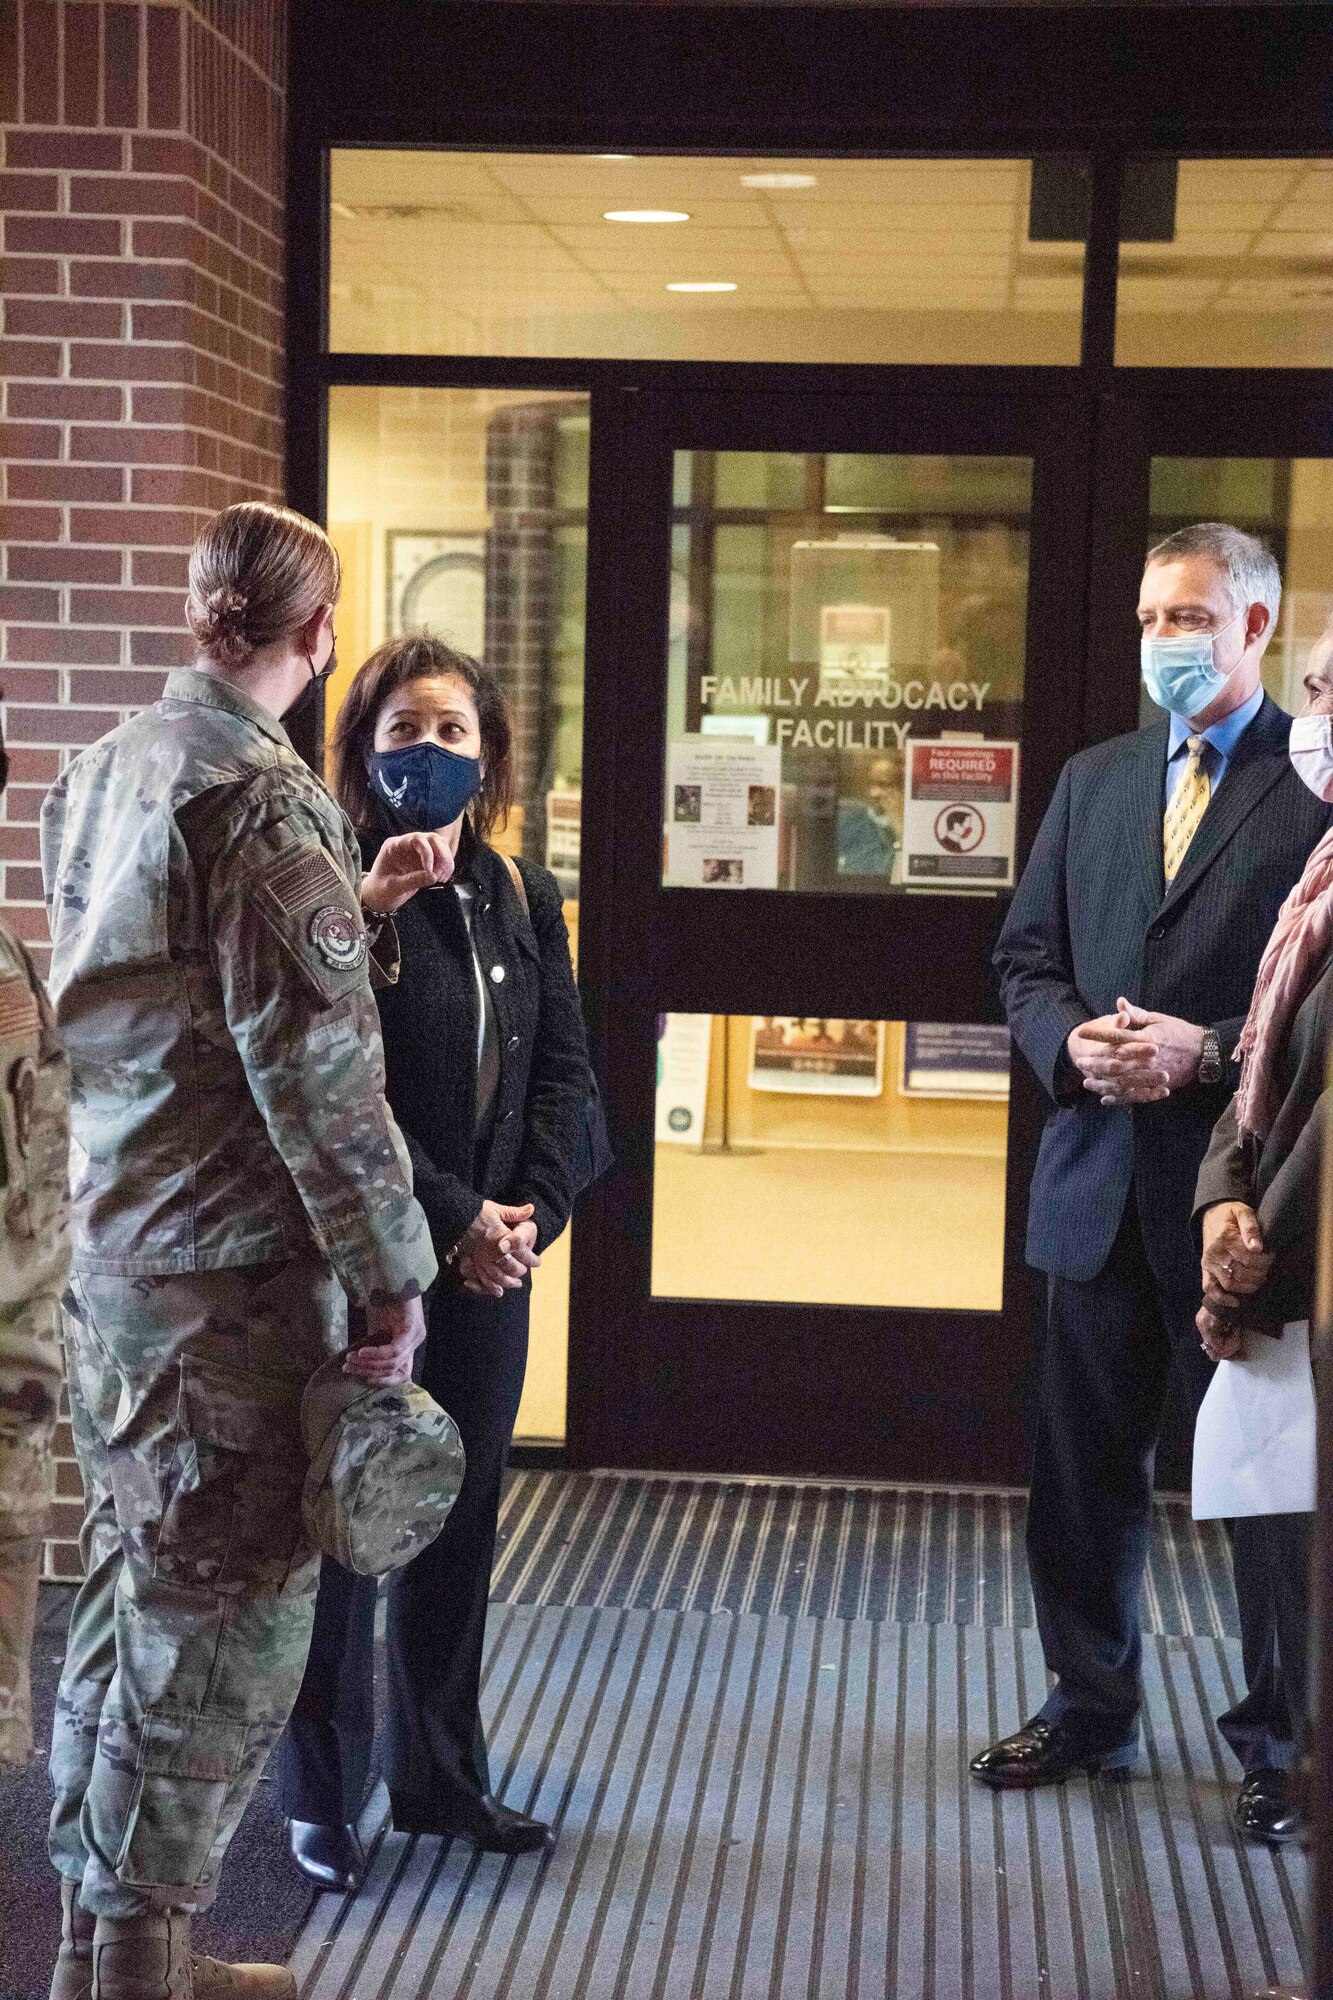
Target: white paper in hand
x: 1254, y: 1442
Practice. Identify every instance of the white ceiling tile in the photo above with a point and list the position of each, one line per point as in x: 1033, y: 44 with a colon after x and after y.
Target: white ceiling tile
x: 1305, y: 213
x: 374, y: 174
x: 1164, y: 294
x: 573, y: 212
x: 1310, y: 245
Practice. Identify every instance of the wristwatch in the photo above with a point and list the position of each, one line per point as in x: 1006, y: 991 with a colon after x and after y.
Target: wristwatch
x: 1210, y: 1057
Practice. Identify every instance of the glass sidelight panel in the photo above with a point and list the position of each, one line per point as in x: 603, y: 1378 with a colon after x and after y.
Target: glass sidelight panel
x: 705, y: 259
x: 463, y: 512
x: 845, y: 671
x: 1288, y: 502
x: 818, y: 1161
x: 1225, y: 264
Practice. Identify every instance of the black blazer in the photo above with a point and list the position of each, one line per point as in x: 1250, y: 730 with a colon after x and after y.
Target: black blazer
x: 429, y: 1022
x: 1091, y: 920
x: 1282, y: 1178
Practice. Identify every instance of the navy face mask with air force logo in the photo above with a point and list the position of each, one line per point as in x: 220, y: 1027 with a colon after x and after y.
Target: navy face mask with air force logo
x: 424, y: 787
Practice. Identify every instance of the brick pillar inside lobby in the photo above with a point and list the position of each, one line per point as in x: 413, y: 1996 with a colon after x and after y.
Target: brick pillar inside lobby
x: 141, y: 350
x: 520, y: 494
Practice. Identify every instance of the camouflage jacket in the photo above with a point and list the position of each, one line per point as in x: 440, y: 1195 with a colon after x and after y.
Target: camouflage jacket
x: 34, y: 1253
x: 210, y: 973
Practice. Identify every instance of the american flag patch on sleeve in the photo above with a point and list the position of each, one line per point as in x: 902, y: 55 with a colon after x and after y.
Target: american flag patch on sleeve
x: 307, y: 878
x: 18, y: 1008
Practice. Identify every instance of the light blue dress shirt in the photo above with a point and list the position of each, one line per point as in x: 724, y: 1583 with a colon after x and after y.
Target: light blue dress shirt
x: 1221, y: 738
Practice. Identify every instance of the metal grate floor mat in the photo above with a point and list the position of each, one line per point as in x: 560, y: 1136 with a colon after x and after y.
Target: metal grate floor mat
x: 760, y: 1807
x: 913, y: 1555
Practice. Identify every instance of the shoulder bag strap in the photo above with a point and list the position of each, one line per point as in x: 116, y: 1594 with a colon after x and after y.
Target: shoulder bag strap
x: 517, y: 881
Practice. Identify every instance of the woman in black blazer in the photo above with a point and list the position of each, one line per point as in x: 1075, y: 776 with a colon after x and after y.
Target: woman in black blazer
x: 487, y: 1074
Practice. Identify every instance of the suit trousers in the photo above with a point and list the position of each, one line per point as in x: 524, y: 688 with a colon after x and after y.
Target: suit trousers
x: 434, y: 1751
x: 1113, y: 1344
x: 1271, y: 1554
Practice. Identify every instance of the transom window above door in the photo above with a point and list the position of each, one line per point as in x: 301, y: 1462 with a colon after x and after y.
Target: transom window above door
x: 696, y: 259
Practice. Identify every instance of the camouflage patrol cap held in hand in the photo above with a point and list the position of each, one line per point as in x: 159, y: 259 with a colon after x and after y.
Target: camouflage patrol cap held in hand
x: 386, y: 1464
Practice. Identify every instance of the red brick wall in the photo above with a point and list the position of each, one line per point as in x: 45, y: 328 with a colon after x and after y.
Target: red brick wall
x: 141, y: 329
x: 141, y: 189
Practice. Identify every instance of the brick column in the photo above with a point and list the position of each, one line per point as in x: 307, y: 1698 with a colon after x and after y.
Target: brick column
x: 520, y: 493
x: 141, y: 337
x: 141, y: 294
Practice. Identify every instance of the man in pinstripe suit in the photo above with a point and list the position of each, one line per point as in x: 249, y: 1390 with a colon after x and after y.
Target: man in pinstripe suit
x: 1126, y: 965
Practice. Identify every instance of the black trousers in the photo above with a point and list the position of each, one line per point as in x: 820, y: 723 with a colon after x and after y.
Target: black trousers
x: 1267, y: 1727
x: 1112, y: 1347
x: 434, y: 1751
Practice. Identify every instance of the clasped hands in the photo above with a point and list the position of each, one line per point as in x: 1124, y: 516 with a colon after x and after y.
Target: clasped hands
x: 1235, y: 1267
x: 497, y: 1250
x: 1135, y: 1056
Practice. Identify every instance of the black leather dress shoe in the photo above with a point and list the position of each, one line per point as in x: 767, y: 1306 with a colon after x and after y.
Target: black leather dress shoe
x: 484, y: 1823
x: 331, y: 1857
x: 1045, y: 1753
x: 1267, y: 1811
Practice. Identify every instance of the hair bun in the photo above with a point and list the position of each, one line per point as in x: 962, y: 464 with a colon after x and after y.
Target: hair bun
x: 258, y: 574
x: 227, y: 607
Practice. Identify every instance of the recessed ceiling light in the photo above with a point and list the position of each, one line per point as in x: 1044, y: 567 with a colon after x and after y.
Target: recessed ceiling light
x: 644, y: 215
x: 613, y: 156
x: 703, y: 285
x: 773, y: 182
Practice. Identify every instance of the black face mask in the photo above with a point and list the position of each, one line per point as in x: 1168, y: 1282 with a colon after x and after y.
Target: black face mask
x: 317, y: 679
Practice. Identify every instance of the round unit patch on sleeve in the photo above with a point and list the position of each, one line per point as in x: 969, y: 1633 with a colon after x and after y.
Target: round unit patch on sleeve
x: 23, y: 1090
x: 339, y: 938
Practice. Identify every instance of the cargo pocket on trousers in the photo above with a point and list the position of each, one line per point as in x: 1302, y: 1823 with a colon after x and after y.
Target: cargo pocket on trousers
x: 231, y: 1514
x: 186, y: 1767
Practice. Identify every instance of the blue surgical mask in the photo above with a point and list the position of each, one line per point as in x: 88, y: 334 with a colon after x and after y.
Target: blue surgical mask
x: 1182, y: 674
x: 425, y: 786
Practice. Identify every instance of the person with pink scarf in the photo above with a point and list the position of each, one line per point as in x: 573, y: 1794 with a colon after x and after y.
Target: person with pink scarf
x: 1257, y: 1210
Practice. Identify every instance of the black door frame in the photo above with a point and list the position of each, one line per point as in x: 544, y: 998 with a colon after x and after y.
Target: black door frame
x: 660, y: 1381
x: 1100, y: 82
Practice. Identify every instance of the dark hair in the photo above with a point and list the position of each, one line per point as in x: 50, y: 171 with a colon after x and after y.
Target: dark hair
x: 420, y: 657
x: 257, y: 572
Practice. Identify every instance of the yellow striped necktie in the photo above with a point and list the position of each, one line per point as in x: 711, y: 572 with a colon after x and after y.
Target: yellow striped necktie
x: 1189, y: 803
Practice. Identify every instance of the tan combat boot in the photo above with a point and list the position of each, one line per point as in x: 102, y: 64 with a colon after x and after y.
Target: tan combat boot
x: 73, y: 1977
x: 149, y: 1958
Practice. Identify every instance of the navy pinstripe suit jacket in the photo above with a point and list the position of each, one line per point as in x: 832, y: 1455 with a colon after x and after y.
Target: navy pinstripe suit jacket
x: 1091, y: 920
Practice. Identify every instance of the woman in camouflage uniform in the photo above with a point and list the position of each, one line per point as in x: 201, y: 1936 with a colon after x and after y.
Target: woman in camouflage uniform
x: 238, y: 1181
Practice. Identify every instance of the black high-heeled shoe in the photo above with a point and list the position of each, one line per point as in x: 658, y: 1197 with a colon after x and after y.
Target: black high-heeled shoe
x: 483, y: 1822
x: 331, y: 1857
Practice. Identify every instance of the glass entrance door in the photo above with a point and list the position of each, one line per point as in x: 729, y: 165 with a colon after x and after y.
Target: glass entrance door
x: 840, y: 663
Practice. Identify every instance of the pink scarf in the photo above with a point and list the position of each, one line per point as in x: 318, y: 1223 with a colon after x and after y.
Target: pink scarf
x: 1301, y: 940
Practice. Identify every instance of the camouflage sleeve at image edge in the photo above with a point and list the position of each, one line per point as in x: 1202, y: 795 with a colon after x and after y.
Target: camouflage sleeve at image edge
x: 34, y: 1256
x: 289, y: 944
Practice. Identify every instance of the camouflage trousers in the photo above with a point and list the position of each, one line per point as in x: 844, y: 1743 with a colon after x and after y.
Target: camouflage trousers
x: 190, y: 1632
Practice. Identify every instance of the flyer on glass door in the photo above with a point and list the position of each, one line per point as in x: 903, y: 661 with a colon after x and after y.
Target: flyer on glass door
x: 960, y: 814
x: 722, y: 813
